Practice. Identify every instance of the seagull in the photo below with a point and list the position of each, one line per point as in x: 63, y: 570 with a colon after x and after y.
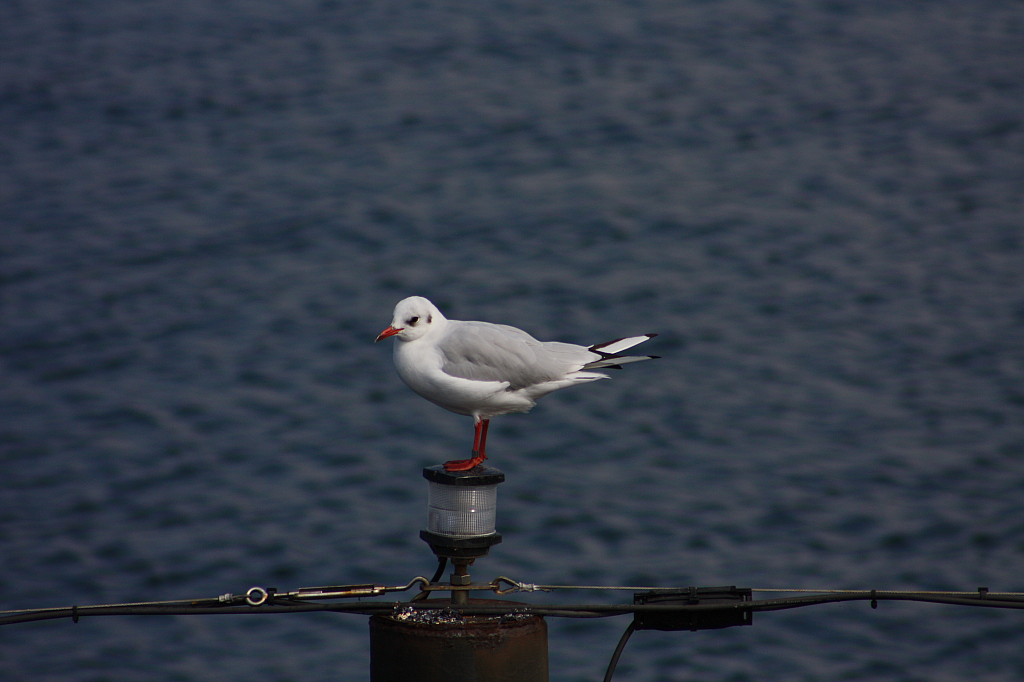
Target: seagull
x: 484, y: 370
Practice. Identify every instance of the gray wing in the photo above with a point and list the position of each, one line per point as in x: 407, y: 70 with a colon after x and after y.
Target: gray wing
x: 492, y: 352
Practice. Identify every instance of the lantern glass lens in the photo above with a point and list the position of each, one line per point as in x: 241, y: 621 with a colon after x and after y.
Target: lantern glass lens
x: 461, y: 511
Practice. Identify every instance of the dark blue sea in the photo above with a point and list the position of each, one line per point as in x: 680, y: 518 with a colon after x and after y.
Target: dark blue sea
x: 209, y: 210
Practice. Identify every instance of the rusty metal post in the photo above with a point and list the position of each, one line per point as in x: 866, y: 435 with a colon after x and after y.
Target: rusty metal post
x: 423, y: 647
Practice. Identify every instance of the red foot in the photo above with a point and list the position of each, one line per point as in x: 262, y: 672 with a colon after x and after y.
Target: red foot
x: 465, y: 464
x: 479, y: 441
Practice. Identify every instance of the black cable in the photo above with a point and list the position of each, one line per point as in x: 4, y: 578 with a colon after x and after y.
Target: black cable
x: 360, y: 608
x: 441, y: 563
x: 618, y: 650
x: 873, y: 596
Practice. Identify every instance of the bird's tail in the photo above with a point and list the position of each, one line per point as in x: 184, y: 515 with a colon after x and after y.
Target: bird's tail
x: 609, y: 353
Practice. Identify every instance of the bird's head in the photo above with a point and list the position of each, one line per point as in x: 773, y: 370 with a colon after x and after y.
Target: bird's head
x: 414, y: 317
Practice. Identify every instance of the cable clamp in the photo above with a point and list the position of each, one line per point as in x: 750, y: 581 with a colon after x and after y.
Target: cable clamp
x: 516, y: 586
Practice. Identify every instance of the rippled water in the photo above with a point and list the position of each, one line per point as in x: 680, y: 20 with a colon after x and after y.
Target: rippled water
x: 207, y: 212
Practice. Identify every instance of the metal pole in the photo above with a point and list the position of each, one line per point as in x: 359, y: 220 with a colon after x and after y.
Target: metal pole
x: 460, y: 576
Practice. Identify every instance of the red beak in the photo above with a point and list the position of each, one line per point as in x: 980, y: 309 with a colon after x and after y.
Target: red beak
x: 390, y: 331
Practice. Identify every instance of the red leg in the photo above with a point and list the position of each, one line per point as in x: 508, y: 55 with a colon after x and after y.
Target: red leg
x: 483, y: 437
x: 479, y: 441
x: 478, y: 427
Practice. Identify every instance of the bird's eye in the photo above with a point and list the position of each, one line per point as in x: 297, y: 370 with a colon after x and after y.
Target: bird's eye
x: 413, y: 320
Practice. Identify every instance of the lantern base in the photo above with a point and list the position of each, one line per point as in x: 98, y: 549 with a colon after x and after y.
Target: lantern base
x: 460, y: 548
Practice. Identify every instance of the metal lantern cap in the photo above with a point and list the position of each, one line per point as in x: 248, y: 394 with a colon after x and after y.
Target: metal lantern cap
x: 475, y: 477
